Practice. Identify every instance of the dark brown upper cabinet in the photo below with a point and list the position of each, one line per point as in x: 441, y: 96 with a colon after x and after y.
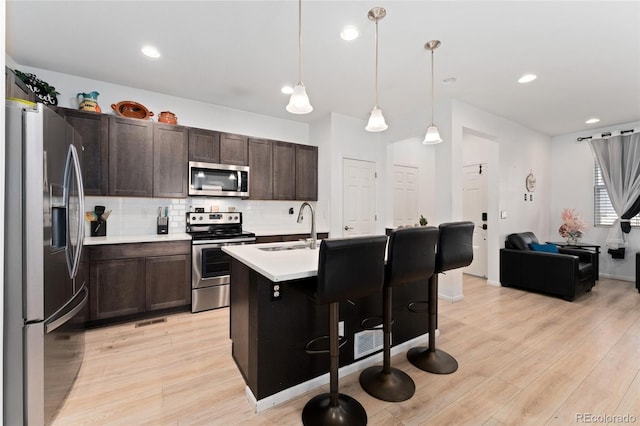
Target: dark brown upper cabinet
x: 261, y: 169
x: 94, y: 130
x: 233, y: 149
x: 170, y: 151
x: 284, y: 171
x: 306, y: 172
x: 130, y: 157
x: 204, y: 146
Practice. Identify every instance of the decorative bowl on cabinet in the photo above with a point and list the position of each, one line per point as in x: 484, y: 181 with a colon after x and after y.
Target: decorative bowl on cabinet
x: 131, y: 109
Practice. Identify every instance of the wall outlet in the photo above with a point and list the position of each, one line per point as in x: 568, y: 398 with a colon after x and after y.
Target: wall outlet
x: 276, y: 292
x: 503, y: 214
x: 341, y: 328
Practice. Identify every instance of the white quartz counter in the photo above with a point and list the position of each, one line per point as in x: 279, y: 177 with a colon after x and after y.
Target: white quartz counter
x: 277, y: 266
x: 127, y: 239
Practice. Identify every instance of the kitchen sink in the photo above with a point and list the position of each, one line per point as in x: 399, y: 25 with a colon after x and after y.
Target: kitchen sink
x: 282, y: 248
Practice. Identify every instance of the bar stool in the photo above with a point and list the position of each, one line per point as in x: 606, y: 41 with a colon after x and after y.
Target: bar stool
x: 455, y: 250
x: 347, y: 269
x: 411, y: 258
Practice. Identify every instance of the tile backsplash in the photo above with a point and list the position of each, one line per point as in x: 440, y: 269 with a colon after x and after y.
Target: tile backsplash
x: 137, y: 216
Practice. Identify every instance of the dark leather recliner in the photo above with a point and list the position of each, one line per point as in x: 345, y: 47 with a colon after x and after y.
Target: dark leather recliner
x: 566, y: 274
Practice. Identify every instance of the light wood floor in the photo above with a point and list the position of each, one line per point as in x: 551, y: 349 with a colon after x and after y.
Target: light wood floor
x: 524, y: 359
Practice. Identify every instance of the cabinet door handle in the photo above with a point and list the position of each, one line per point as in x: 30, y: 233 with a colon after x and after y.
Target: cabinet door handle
x: 346, y: 228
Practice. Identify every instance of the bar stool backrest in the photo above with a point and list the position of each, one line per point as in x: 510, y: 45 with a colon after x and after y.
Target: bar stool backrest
x: 455, y: 246
x: 412, y: 255
x: 350, y: 268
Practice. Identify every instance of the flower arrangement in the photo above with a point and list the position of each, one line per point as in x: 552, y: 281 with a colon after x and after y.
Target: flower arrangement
x: 572, y: 225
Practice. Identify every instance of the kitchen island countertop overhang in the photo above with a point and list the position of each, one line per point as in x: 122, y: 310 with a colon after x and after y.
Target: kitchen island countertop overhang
x: 291, y: 263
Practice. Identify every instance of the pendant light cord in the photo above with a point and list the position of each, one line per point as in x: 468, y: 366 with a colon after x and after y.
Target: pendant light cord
x: 299, y: 41
x: 376, y: 75
x: 432, y: 87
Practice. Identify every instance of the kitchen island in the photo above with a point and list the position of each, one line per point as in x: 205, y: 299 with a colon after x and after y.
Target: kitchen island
x: 273, y: 316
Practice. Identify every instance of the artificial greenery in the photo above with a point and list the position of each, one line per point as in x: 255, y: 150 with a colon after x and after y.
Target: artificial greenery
x: 44, y: 91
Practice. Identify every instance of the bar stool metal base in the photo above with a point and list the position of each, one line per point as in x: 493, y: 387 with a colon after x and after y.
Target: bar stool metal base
x: 395, y: 386
x: 432, y: 361
x: 319, y: 411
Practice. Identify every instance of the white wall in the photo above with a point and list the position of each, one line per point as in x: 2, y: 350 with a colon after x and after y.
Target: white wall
x: 190, y: 113
x: 2, y: 153
x: 572, y: 175
x: 517, y: 150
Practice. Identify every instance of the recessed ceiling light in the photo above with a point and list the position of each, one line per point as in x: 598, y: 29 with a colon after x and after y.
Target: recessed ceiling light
x: 349, y: 33
x: 150, y: 51
x: 287, y: 90
x: 450, y: 80
x: 592, y: 120
x: 527, y: 78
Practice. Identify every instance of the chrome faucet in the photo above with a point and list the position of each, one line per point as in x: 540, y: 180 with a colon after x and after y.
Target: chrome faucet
x: 314, y: 236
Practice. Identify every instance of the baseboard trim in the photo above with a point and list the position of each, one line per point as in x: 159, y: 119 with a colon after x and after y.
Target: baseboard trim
x: 614, y: 277
x: 297, y: 390
x: 494, y: 283
x: 451, y: 299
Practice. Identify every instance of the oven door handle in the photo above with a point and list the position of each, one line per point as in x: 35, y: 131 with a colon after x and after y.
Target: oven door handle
x: 220, y: 243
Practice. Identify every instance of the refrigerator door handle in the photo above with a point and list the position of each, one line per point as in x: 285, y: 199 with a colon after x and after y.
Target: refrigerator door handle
x: 57, y: 322
x: 73, y: 160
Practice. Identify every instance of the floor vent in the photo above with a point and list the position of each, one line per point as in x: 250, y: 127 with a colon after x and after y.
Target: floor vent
x: 150, y: 322
x: 367, y: 342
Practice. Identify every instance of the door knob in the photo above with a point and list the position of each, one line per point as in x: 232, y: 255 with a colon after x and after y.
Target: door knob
x: 346, y: 228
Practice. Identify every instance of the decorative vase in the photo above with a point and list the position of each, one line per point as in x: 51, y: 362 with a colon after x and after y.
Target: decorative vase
x: 88, y: 101
x: 572, y: 240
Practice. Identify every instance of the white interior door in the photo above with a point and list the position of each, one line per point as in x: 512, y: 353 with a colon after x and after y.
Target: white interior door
x: 405, y: 195
x: 475, y: 203
x: 359, y: 197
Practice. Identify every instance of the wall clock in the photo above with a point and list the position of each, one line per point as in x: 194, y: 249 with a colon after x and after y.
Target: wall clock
x: 530, y: 182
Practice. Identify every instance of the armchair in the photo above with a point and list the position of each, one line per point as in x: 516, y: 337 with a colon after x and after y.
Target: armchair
x: 565, y: 274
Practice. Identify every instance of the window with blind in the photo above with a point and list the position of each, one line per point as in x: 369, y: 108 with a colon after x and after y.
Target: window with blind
x: 604, y: 213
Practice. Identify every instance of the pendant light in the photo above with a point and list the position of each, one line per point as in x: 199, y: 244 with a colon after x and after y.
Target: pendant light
x: 376, y: 120
x: 433, y: 136
x: 299, y: 101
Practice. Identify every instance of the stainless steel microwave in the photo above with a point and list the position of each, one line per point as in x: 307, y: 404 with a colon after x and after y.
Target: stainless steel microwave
x: 218, y: 180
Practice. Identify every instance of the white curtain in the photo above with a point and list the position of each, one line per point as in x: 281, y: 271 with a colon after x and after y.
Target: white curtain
x: 619, y: 159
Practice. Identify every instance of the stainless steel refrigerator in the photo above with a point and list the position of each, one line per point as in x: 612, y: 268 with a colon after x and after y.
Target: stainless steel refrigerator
x: 45, y: 300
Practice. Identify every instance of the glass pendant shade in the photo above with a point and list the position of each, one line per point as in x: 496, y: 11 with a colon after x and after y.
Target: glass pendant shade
x: 376, y: 121
x: 299, y: 101
x: 433, y: 136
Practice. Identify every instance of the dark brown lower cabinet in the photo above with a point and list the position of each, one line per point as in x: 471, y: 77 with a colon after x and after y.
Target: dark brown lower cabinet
x: 162, y: 274
x: 130, y: 279
x: 117, y: 288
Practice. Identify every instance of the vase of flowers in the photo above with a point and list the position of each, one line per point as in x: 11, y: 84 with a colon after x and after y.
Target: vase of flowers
x: 572, y: 226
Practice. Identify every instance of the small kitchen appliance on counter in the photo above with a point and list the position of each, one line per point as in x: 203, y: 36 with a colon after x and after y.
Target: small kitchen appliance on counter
x: 163, y: 221
x: 210, y: 266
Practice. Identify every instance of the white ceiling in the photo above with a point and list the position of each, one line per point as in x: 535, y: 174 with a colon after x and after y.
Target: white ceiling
x: 240, y: 53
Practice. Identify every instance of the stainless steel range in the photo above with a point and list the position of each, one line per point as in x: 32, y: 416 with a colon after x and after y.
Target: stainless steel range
x: 211, y: 267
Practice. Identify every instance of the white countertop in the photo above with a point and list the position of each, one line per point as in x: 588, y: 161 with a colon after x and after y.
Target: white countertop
x: 127, y: 239
x: 277, y: 266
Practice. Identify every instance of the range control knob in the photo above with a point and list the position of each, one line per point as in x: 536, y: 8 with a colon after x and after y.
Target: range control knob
x: 236, y: 218
x: 230, y: 217
x: 200, y: 218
